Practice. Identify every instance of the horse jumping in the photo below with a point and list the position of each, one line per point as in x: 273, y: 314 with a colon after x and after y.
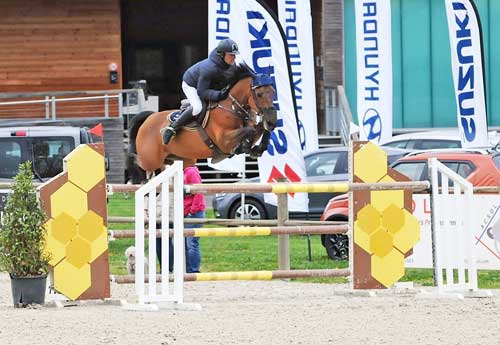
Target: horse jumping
x: 234, y: 126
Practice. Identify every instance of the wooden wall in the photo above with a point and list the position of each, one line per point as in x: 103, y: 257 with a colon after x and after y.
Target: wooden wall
x: 333, y: 42
x: 59, y: 45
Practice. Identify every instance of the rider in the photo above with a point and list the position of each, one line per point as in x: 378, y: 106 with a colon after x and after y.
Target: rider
x: 206, y: 80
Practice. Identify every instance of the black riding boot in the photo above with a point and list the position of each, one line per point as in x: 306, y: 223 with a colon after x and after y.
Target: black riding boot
x: 183, y: 119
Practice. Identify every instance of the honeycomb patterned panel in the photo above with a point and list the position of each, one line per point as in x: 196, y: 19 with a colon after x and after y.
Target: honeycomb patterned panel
x: 77, y: 236
x: 78, y: 163
x: 384, y: 231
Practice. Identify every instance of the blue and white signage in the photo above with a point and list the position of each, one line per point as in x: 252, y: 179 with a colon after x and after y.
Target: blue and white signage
x: 468, y: 71
x: 296, y: 21
x: 374, y: 69
x: 262, y: 45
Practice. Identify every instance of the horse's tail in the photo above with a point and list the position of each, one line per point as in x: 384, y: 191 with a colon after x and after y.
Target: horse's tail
x: 133, y: 129
x: 135, y: 174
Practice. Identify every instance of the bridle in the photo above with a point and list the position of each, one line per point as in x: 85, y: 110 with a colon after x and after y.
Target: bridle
x: 245, y: 113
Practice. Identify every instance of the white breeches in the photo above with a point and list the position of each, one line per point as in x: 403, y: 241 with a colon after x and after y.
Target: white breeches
x: 192, y: 95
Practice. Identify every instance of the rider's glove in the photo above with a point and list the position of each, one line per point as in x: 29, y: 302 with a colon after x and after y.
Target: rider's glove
x: 224, y: 93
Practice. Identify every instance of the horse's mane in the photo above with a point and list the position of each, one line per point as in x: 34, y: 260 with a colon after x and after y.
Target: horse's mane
x: 242, y: 71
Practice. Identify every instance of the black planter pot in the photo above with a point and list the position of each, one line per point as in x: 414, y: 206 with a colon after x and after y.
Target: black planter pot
x: 28, y: 290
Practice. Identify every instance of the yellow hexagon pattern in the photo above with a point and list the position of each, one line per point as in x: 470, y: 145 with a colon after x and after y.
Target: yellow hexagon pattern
x: 78, y: 163
x: 63, y: 228
x: 80, y: 279
x: 389, y: 268
x: 370, y: 163
x: 55, y: 248
x: 384, y: 228
x: 381, y: 199
x: 76, y: 236
x: 70, y: 199
x: 409, y: 235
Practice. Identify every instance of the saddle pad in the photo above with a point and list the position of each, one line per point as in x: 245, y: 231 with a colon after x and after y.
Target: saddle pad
x: 175, y: 115
x: 193, y: 124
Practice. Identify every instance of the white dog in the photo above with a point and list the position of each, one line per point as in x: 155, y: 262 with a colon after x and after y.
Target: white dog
x: 130, y: 255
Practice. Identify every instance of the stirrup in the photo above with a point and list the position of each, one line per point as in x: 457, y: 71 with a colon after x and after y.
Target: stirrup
x: 168, y: 128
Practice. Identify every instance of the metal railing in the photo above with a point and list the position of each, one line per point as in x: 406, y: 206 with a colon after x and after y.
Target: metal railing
x: 127, y: 101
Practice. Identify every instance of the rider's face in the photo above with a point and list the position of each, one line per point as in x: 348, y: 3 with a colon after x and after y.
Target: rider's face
x: 229, y: 58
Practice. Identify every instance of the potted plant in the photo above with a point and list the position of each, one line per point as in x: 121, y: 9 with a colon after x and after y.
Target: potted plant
x: 22, y: 241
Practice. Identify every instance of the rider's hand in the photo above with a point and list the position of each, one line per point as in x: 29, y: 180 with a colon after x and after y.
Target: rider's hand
x: 224, y: 93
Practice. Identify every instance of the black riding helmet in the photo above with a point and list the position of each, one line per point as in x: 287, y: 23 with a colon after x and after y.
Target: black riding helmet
x: 227, y: 46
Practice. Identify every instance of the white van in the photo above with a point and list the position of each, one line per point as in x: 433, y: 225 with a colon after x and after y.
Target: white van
x: 44, y: 146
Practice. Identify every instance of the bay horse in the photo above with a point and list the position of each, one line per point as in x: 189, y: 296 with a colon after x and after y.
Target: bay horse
x: 234, y: 126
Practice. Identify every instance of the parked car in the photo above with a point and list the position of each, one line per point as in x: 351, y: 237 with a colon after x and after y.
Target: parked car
x: 323, y: 165
x: 44, y: 146
x: 479, y: 167
x: 436, y: 139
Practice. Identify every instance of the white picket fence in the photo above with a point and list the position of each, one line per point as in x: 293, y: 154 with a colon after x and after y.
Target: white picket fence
x: 148, y: 193
x: 453, y: 235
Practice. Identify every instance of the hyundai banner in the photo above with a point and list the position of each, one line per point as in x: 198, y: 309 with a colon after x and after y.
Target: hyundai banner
x: 263, y: 46
x: 296, y: 21
x: 464, y: 29
x: 374, y: 69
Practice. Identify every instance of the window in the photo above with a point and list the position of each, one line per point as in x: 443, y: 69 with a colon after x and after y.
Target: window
x: 399, y: 144
x: 414, y: 170
x: 48, y: 154
x: 10, y: 158
x: 496, y: 160
x: 430, y: 144
x: 323, y: 164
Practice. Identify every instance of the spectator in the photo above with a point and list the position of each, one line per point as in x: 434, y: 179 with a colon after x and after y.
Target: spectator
x: 194, y: 207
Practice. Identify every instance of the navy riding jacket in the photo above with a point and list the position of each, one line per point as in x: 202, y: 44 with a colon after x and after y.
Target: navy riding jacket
x: 209, y: 76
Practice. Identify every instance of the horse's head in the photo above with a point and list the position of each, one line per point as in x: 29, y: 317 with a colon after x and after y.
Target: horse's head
x: 262, y: 100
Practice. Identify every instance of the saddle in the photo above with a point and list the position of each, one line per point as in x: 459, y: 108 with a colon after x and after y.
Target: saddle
x: 200, y: 121
x: 199, y: 125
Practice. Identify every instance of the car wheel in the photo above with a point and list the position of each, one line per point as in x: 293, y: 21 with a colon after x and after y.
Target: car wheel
x: 253, y: 210
x: 337, y: 246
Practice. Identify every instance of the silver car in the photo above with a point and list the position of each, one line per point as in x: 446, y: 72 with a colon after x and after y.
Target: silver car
x: 323, y: 165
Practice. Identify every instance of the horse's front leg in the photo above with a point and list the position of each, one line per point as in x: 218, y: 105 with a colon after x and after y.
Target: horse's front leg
x: 258, y: 150
x: 242, y: 140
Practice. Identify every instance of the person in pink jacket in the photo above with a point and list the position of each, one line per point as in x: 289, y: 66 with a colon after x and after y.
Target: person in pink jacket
x: 194, y: 207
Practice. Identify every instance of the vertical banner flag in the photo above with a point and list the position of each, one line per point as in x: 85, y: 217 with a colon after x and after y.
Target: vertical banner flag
x: 374, y: 69
x: 467, y: 65
x: 262, y: 45
x: 296, y: 21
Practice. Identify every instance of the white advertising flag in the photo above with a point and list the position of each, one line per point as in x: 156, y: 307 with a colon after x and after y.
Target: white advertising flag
x: 464, y: 29
x: 296, y: 21
x: 374, y: 69
x: 262, y: 46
